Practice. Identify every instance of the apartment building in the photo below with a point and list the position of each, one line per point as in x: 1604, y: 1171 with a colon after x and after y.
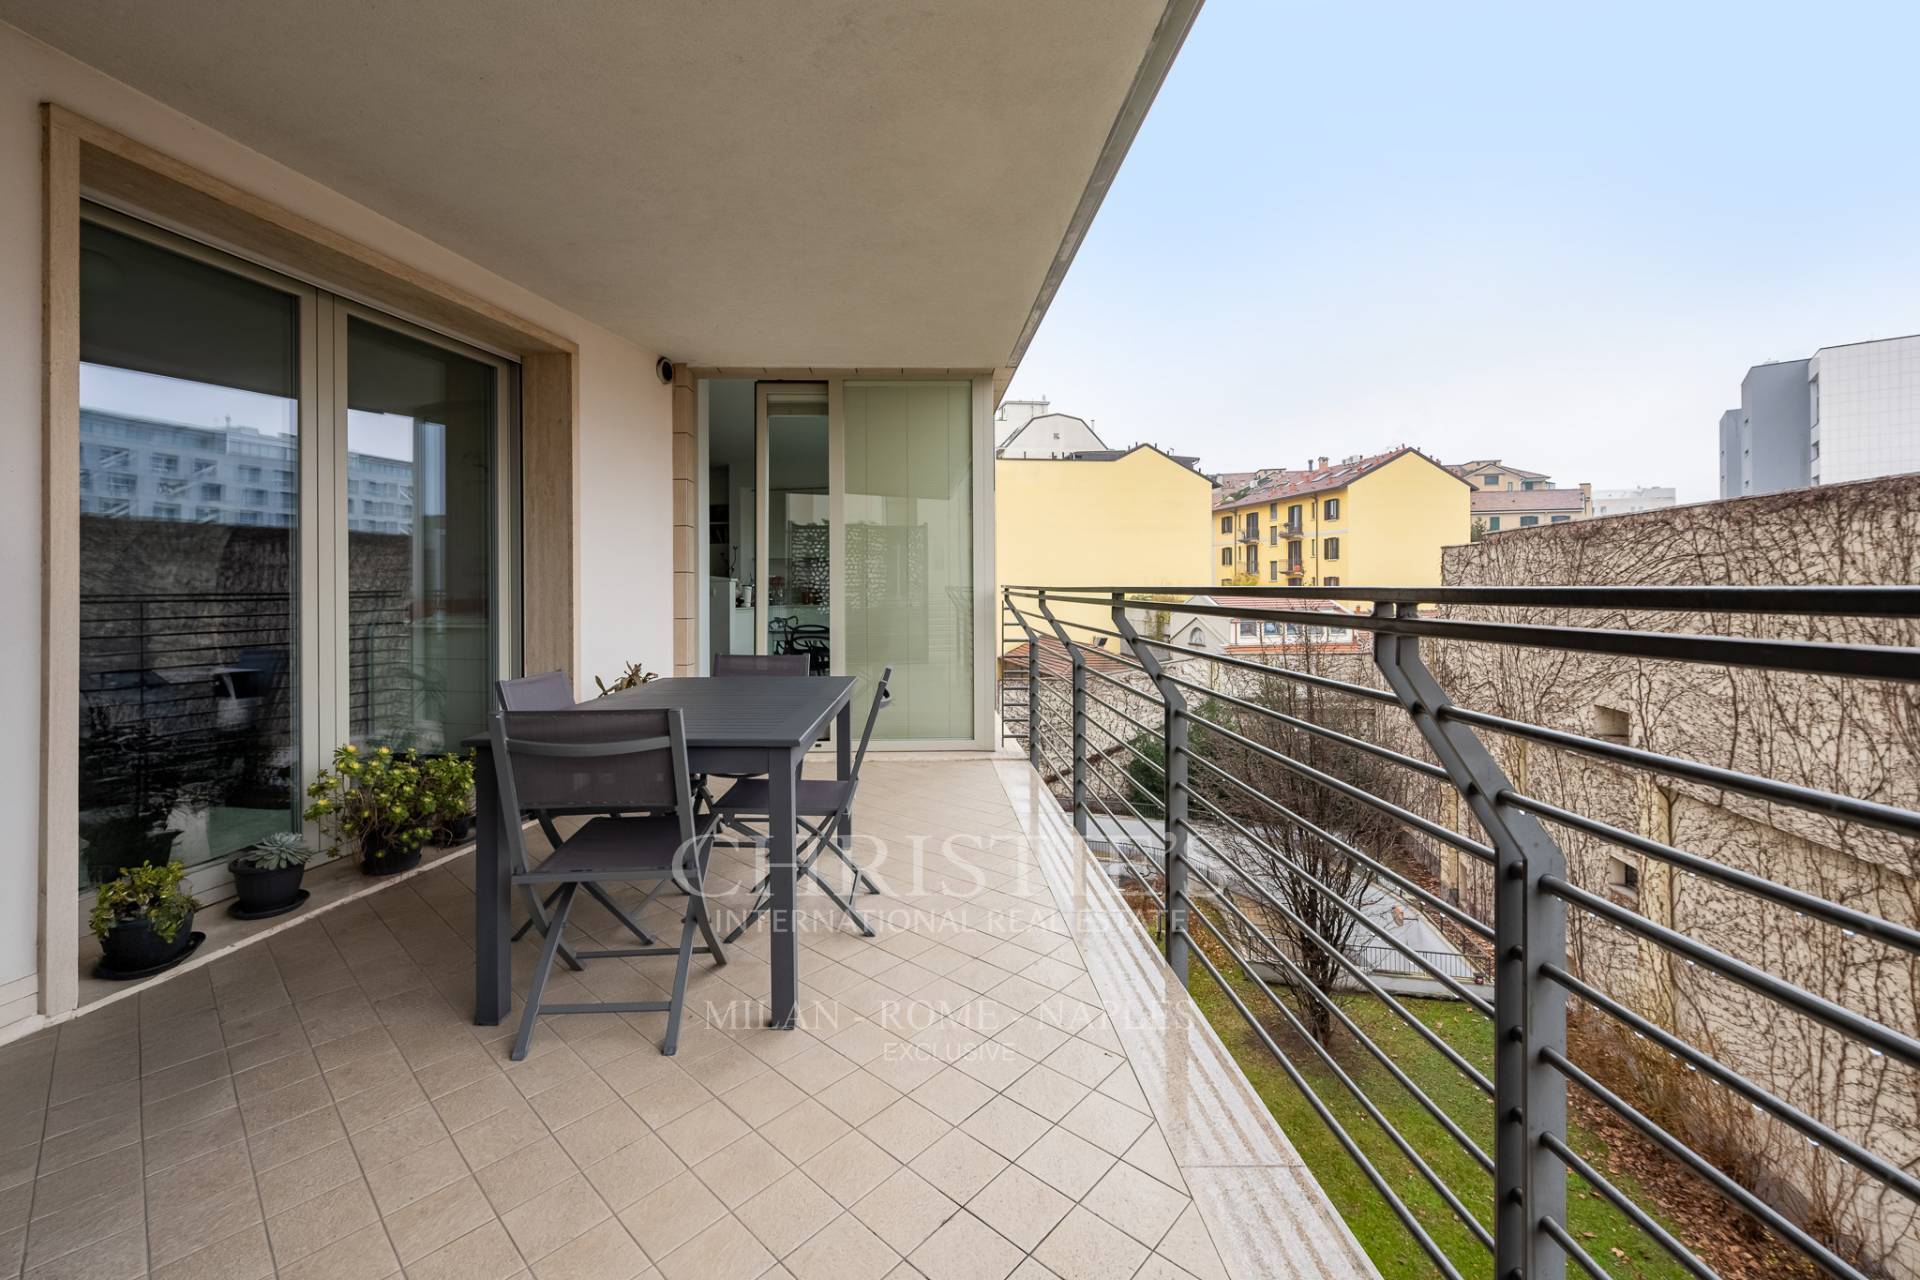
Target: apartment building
x: 1030, y: 429
x: 1364, y: 521
x: 1507, y: 497
x: 1620, y: 502
x: 1098, y: 515
x: 1849, y: 412
x: 148, y: 469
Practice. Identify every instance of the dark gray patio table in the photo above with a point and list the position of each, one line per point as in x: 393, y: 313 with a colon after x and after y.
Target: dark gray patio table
x: 735, y: 724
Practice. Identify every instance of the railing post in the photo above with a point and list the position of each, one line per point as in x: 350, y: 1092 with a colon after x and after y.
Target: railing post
x: 1079, y: 687
x: 1174, y: 741
x: 1033, y: 683
x: 1530, y: 1011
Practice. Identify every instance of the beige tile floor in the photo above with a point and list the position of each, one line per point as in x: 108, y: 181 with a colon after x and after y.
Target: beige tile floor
x: 1005, y: 1082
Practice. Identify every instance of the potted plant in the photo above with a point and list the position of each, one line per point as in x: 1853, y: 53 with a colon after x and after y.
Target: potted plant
x: 144, y: 921
x: 448, y: 781
x: 266, y: 878
x: 632, y: 678
x: 377, y: 803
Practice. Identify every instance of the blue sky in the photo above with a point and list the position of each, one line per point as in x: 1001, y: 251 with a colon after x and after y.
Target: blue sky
x: 1549, y: 234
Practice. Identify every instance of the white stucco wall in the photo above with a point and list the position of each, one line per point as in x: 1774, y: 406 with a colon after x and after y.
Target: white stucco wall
x: 625, y: 456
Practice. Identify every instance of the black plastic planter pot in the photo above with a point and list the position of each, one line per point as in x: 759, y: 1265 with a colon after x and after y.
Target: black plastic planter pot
x: 457, y: 830
x: 132, y: 949
x: 377, y: 860
x: 260, y: 893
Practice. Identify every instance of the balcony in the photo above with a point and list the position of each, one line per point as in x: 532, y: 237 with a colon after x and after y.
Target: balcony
x: 1005, y: 1079
x: 1250, y: 533
x: 1402, y: 912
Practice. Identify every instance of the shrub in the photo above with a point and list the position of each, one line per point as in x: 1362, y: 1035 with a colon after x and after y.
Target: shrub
x: 152, y: 893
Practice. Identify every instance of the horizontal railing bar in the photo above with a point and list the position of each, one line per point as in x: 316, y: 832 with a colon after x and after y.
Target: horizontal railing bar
x: 1848, y: 601
x: 1156, y: 731
x: 1427, y: 826
x: 1833, y: 913
x: 1285, y: 673
x: 1899, y: 1179
x: 1433, y: 771
x: 1434, y: 1041
x: 1126, y: 659
x: 1367, y: 1104
x: 1868, y: 812
x: 1720, y: 1182
x: 1122, y: 684
x: 1359, y: 1157
x: 1453, y: 913
x: 1145, y: 879
x: 1346, y: 908
x: 1145, y: 759
x: 1634, y: 1213
x: 1332, y: 1006
x: 1121, y: 796
x: 1572, y: 1249
x: 1811, y: 657
x: 1797, y: 998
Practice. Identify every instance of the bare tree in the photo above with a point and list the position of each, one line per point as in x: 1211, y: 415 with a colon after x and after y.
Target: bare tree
x: 1306, y: 827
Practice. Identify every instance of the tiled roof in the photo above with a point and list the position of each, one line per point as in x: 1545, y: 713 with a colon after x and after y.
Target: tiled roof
x: 1054, y: 659
x: 1255, y: 603
x: 1295, y: 484
x: 1504, y: 500
x: 1490, y: 464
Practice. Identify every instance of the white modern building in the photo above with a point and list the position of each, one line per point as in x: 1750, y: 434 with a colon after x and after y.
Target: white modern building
x: 1030, y: 429
x: 1619, y: 502
x: 1848, y: 412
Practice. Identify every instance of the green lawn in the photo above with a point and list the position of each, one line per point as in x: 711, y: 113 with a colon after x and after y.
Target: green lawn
x: 1598, y: 1226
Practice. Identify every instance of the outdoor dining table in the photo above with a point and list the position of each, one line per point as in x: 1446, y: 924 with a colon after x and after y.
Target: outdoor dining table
x: 741, y: 725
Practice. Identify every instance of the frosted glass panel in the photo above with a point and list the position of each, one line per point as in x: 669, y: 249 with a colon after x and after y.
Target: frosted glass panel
x: 909, y: 571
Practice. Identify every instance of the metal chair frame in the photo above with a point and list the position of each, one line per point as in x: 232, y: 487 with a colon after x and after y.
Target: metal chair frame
x: 821, y: 838
x: 552, y: 691
x: 686, y: 870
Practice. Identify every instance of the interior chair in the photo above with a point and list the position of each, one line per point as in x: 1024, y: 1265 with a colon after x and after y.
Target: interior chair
x: 552, y: 691
x: 822, y: 806
x: 600, y: 761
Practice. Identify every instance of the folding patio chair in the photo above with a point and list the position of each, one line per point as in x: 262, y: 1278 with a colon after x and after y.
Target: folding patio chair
x: 746, y: 664
x: 552, y: 691
x: 600, y: 761
x: 821, y: 805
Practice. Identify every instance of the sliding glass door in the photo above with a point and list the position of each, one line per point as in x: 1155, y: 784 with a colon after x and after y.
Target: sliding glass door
x: 843, y: 522
x: 194, y: 402
x: 292, y: 516
x: 909, y: 571
x: 421, y: 550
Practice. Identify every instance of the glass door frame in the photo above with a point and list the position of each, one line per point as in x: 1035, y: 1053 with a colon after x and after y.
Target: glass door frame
x: 324, y: 689
x: 504, y: 628
x: 763, y: 394
x: 985, y: 571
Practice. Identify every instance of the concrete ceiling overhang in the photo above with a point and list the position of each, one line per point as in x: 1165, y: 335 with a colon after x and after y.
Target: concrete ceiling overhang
x: 821, y: 183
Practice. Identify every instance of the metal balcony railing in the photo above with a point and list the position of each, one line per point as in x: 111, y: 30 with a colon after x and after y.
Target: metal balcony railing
x: 1275, y: 790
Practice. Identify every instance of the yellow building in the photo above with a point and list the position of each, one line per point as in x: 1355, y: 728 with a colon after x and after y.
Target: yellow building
x: 1378, y: 521
x: 1121, y: 517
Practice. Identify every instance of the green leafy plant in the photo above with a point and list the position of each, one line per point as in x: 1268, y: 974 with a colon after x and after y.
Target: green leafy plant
x: 632, y: 678
x: 152, y: 893
x: 377, y: 800
x: 448, y: 785
x: 281, y: 851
